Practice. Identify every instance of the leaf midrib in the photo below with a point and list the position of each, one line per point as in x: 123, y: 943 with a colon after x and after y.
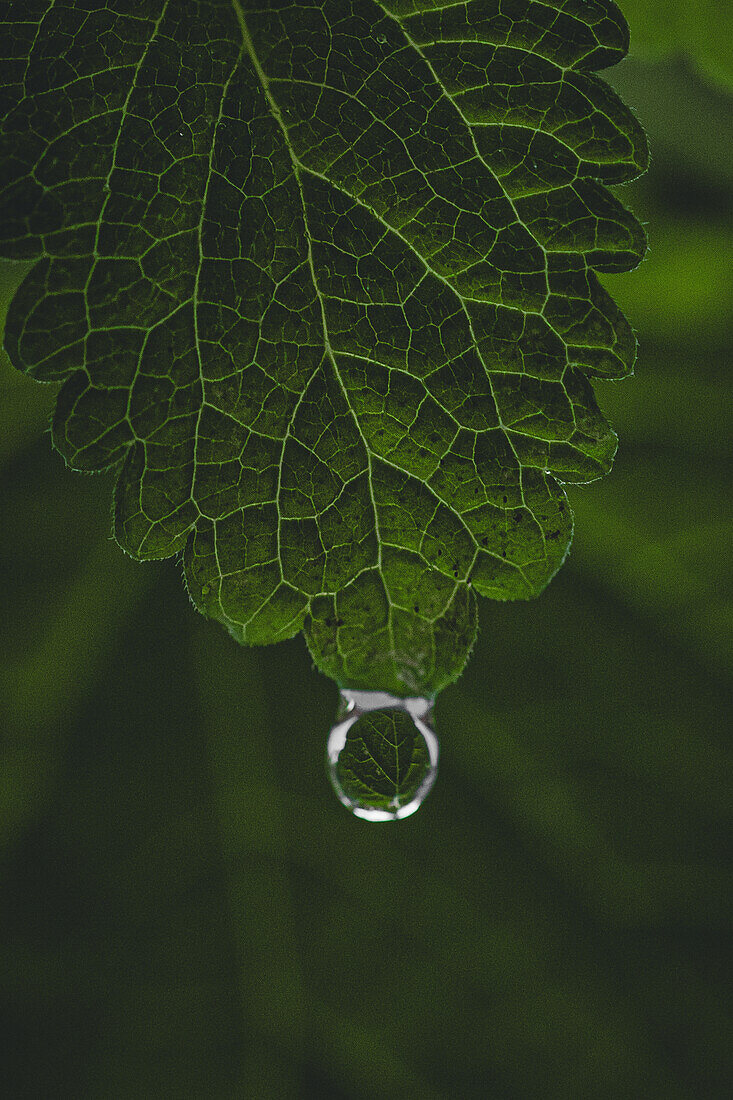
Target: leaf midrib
x: 296, y: 164
x: 298, y: 168
x: 294, y: 160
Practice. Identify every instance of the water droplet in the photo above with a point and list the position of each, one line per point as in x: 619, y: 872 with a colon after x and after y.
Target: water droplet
x: 382, y: 754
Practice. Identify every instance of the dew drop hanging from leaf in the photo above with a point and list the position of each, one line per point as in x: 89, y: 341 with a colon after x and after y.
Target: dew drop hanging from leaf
x: 338, y: 349
x: 382, y: 754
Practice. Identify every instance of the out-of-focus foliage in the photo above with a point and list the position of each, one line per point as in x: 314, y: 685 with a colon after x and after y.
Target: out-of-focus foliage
x: 701, y: 29
x: 186, y: 909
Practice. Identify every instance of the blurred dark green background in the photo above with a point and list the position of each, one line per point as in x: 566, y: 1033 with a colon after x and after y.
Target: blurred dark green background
x: 187, y: 911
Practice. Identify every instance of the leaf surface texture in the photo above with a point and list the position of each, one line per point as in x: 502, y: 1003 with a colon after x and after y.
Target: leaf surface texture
x: 319, y: 279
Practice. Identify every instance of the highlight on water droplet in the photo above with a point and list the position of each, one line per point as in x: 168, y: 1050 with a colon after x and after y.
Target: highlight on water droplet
x: 382, y: 754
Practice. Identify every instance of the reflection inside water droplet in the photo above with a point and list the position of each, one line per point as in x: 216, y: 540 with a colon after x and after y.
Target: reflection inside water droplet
x: 382, y: 754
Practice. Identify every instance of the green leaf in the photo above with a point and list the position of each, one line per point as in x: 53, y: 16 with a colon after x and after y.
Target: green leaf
x: 319, y: 282
x: 29, y: 413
